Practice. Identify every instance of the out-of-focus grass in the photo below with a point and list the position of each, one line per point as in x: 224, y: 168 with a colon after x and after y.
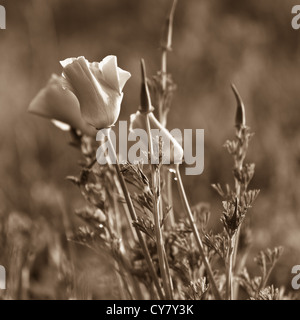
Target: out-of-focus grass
x: 250, y: 43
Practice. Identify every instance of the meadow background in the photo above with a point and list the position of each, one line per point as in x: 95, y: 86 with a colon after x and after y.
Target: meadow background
x: 250, y: 43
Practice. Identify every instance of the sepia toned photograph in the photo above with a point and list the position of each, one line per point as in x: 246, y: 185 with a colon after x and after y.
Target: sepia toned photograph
x: 150, y: 150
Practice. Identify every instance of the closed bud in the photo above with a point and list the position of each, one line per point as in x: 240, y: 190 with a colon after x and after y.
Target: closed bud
x: 145, y: 94
x: 166, y: 42
x: 240, y: 117
x: 171, y: 150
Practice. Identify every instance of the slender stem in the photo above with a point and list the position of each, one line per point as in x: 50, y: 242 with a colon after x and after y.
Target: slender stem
x: 161, y: 117
x: 134, y: 218
x: 161, y: 101
x: 199, y: 242
x: 229, y: 270
x: 233, y: 262
x: 167, y: 45
x: 91, y: 164
x: 126, y: 211
x: 113, y: 219
x: 122, y: 284
x: 117, y: 183
x: 236, y: 244
x: 168, y: 273
x: 116, y: 216
x: 164, y: 58
x: 157, y: 218
x: 118, y: 227
x: 171, y: 217
x: 263, y: 283
x: 140, y: 236
x: 239, y: 166
x: 67, y: 224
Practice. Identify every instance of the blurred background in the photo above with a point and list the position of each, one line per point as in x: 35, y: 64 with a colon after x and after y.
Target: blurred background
x: 250, y: 43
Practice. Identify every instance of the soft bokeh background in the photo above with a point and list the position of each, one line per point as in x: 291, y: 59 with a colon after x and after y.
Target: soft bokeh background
x: 216, y: 42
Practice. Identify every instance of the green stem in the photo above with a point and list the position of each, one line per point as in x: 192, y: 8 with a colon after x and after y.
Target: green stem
x: 199, y: 242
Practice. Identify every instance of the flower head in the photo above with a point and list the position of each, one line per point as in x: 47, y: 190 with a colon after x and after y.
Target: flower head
x: 98, y: 88
x: 87, y: 96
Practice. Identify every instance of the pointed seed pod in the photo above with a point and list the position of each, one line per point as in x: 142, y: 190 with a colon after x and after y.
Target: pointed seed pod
x: 240, y: 117
x: 172, y: 149
x: 166, y: 42
x: 146, y: 105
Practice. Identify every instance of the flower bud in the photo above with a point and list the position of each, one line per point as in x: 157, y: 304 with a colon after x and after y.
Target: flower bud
x: 138, y: 120
x: 240, y: 117
x: 145, y: 94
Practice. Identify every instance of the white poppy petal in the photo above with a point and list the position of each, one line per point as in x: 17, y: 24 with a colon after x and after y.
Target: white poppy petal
x: 110, y: 72
x: 67, y: 61
x: 61, y: 125
x: 54, y: 102
x: 123, y: 77
x: 132, y: 120
x: 97, y: 71
x: 97, y: 87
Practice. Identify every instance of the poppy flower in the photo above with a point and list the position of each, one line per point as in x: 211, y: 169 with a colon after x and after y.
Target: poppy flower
x: 98, y: 88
